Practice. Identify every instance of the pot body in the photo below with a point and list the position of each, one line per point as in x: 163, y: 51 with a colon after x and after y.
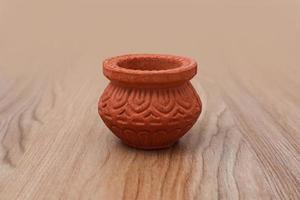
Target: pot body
x: 149, y: 117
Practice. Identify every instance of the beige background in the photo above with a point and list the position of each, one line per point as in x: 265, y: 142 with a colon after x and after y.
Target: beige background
x: 246, y: 145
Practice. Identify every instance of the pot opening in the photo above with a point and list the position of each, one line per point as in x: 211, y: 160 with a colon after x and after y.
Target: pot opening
x: 149, y: 64
x: 149, y: 69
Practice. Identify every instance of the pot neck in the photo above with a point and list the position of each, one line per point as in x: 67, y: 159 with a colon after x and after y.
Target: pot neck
x: 158, y: 85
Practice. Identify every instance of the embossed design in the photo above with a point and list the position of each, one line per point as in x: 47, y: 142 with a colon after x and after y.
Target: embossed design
x: 148, y: 113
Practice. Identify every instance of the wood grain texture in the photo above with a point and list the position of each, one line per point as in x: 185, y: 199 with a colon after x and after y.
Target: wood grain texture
x: 246, y: 144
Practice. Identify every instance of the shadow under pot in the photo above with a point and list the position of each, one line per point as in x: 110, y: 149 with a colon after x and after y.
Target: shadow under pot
x: 149, y: 102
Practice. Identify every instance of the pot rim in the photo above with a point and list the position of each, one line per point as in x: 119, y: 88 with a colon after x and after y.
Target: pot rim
x: 175, y: 69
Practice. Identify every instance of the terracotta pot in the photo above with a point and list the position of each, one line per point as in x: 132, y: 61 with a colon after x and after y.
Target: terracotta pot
x: 150, y: 102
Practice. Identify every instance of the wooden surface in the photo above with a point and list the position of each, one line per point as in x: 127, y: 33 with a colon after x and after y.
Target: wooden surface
x: 246, y: 145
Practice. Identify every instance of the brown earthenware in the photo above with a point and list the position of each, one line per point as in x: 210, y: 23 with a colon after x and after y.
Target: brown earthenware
x: 150, y: 102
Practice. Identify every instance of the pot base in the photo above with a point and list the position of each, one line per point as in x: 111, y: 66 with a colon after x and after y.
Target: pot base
x: 150, y: 147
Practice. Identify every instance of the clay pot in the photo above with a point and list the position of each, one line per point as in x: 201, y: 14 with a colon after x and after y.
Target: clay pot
x: 150, y: 102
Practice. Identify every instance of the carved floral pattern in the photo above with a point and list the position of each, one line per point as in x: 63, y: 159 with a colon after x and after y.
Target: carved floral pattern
x: 149, y: 116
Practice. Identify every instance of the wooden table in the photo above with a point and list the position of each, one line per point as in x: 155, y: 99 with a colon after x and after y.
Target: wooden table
x: 246, y: 144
